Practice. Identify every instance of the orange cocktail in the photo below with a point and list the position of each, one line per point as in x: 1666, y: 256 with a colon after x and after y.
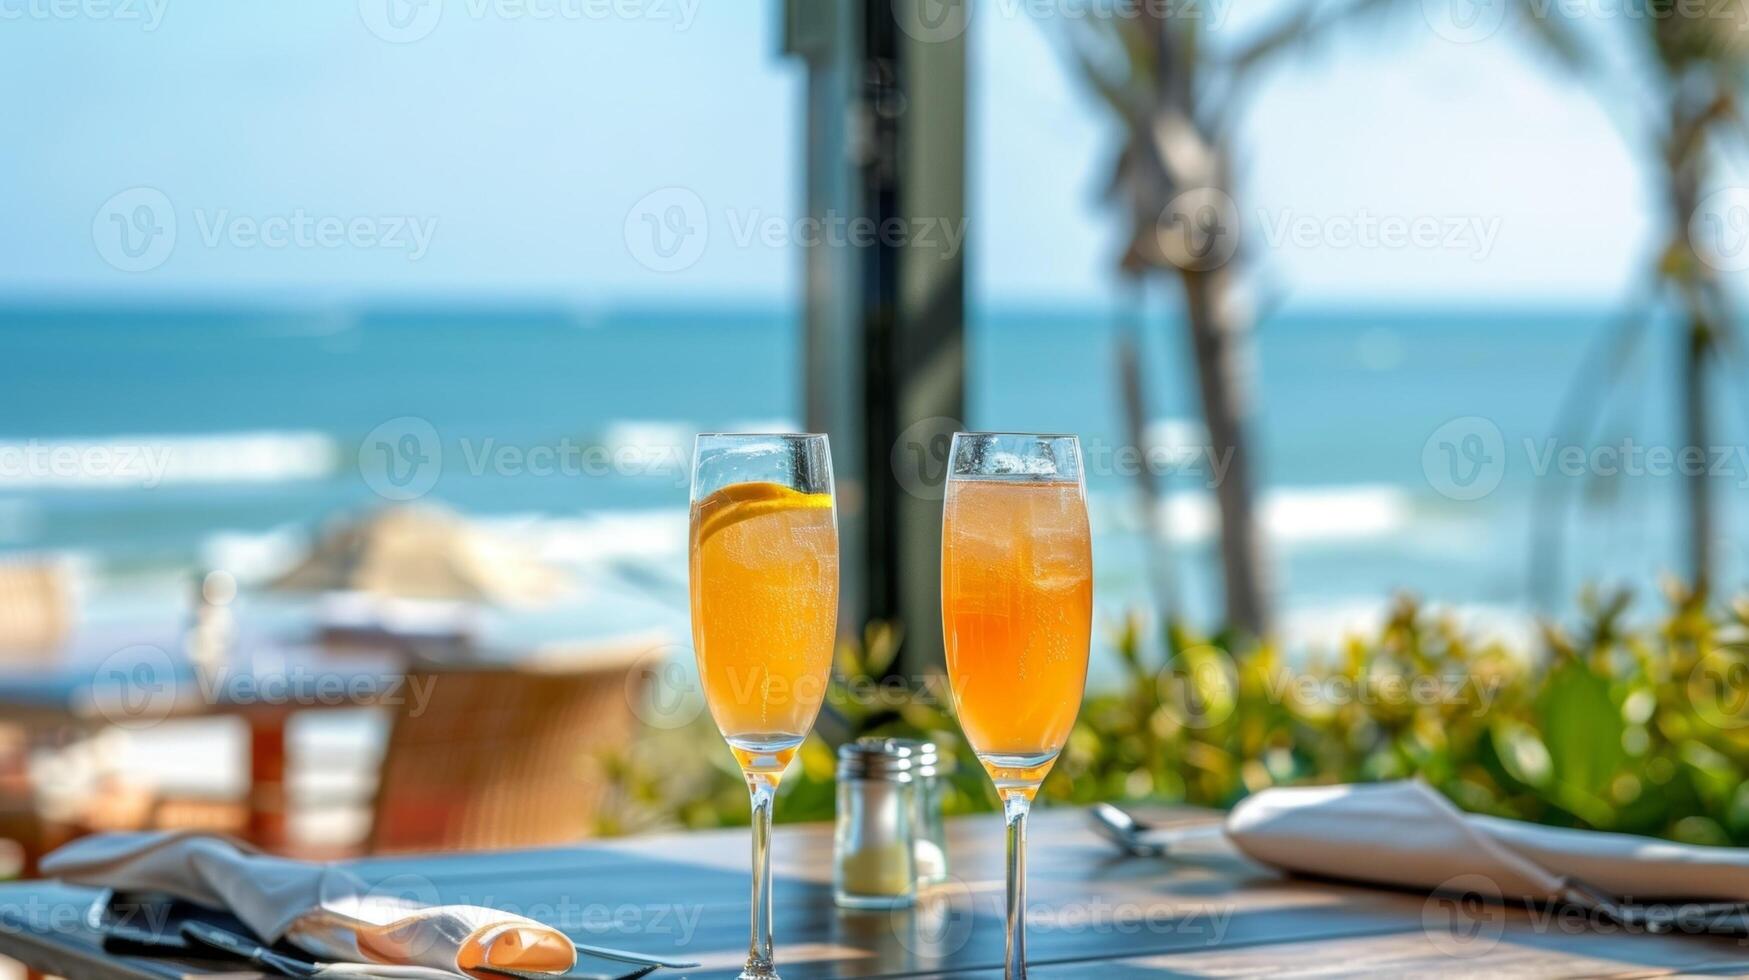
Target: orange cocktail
x: 764, y: 614
x: 1016, y: 607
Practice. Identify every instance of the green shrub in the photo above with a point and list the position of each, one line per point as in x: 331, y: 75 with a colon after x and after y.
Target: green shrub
x: 1637, y: 729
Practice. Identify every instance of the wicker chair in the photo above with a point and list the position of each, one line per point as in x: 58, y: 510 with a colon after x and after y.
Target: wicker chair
x: 504, y: 757
x: 35, y: 617
x: 35, y: 608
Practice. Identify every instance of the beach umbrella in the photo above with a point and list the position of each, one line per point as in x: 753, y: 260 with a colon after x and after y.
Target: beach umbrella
x: 421, y: 552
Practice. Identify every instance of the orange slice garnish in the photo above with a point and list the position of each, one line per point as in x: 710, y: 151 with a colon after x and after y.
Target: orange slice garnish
x: 740, y: 501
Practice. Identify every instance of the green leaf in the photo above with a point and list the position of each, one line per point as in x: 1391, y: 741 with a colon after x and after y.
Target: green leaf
x: 1581, y: 725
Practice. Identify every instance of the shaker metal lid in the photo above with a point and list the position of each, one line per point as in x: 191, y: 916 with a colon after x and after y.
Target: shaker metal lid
x: 925, y: 758
x: 924, y: 754
x: 885, y: 759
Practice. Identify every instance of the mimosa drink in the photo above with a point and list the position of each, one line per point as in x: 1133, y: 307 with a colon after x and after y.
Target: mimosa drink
x: 764, y: 613
x: 1016, y: 614
x: 764, y: 576
x: 1017, y: 601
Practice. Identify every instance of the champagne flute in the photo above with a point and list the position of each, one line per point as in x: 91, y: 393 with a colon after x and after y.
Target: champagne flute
x: 764, y: 584
x: 1016, y: 611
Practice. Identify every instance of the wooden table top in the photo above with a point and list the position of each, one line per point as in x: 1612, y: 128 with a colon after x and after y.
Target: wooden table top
x: 1092, y: 913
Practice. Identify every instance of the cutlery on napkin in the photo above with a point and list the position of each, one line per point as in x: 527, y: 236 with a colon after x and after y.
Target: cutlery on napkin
x: 322, y: 910
x: 1404, y: 834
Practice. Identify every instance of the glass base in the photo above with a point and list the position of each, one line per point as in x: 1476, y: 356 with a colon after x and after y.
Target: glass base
x: 766, y: 755
x: 1017, y: 774
x: 755, y: 973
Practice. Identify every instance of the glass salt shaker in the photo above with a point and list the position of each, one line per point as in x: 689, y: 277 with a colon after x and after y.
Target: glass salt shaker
x: 928, y: 827
x: 875, y: 863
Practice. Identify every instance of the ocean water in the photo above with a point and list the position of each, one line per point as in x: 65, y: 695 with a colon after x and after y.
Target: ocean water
x: 1377, y: 432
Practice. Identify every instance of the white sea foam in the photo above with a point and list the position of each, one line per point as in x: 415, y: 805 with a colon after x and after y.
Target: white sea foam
x: 1291, y: 515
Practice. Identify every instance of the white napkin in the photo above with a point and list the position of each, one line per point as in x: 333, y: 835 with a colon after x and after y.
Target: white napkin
x: 323, y: 910
x: 1407, y: 835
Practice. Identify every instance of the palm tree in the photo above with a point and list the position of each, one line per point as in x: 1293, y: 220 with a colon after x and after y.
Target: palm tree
x: 1177, y: 96
x: 1680, y: 102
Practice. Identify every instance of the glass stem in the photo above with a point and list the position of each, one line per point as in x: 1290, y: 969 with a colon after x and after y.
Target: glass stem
x: 1015, y: 808
x: 763, y: 790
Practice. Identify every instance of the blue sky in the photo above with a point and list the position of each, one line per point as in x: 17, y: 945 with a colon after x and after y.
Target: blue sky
x: 521, y: 144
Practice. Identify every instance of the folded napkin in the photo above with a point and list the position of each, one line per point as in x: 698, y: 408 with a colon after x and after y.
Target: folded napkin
x: 323, y: 910
x: 1407, y: 835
